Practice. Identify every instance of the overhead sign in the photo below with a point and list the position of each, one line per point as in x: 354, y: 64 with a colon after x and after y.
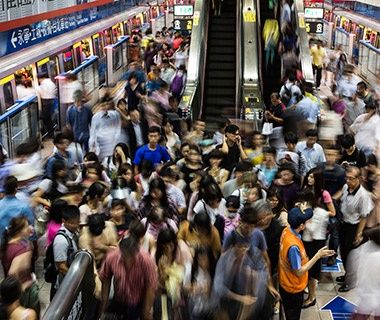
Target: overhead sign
x: 183, y: 10
x: 14, y: 13
x: 314, y: 27
x: 340, y: 308
x: 314, y: 13
x: 183, y: 24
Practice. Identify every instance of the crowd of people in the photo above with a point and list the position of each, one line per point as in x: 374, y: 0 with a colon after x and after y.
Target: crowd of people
x: 184, y: 223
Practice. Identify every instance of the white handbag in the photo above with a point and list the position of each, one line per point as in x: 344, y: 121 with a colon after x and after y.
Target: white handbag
x: 267, y: 128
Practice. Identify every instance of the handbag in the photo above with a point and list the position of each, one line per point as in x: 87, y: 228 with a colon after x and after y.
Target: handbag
x: 267, y: 128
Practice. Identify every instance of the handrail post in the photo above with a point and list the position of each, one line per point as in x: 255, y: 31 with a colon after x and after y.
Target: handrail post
x: 75, y: 294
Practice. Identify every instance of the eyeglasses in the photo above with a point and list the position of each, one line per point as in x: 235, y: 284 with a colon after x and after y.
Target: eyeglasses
x: 351, y: 178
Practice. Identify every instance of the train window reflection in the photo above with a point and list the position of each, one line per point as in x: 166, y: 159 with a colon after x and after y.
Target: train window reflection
x: 8, y: 95
x: 68, y: 61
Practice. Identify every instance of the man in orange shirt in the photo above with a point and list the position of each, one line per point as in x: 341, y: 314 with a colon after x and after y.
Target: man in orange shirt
x: 294, y: 263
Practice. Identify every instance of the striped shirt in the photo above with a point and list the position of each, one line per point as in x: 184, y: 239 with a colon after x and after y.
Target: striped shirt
x: 130, y: 282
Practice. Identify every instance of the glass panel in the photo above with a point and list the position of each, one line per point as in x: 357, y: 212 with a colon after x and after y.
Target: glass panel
x: 8, y: 95
x: 20, y: 128
x: 372, y: 61
x: 117, y: 59
x: 4, y: 137
x: 33, y: 120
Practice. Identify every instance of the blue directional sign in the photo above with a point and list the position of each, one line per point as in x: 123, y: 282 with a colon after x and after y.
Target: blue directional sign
x: 337, y: 267
x: 340, y: 308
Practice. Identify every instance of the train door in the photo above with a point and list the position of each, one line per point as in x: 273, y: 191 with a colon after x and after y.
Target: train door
x: 77, y: 50
x: 117, y: 32
x: 8, y: 95
x: 98, y: 46
x: 48, y: 66
x: 107, y: 36
x: 67, y: 60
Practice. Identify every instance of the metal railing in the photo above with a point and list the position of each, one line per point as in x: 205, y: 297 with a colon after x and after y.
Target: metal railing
x: 75, y: 294
x: 192, y: 99
x: 306, y: 63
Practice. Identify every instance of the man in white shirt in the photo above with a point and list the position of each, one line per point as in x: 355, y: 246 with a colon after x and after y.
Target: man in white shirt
x: 47, y: 91
x: 356, y: 205
x: 312, y: 151
x: 346, y: 86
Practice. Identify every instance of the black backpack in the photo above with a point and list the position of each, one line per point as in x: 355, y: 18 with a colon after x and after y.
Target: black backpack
x: 50, y: 270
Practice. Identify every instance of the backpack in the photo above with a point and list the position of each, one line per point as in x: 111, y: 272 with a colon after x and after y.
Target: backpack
x: 177, y: 84
x: 288, y: 95
x: 50, y: 270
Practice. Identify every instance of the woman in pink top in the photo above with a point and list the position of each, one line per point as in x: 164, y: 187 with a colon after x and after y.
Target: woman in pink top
x: 16, y: 258
x: 314, y: 180
x: 55, y: 220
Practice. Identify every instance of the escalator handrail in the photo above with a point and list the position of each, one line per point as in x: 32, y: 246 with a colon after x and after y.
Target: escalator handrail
x: 239, y: 73
x: 194, y: 87
x: 259, y: 41
x: 306, y: 63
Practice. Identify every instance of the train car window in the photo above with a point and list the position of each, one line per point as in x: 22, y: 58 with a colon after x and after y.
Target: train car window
x: 78, y: 55
x: 86, y: 49
x: 107, y: 37
x: 8, y: 95
x: 117, y: 58
x: 68, y: 63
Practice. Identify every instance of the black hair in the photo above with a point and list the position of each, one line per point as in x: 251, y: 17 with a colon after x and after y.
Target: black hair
x: 206, y: 180
x: 58, y: 137
x: 154, y: 129
x: 287, y: 166
x: 96, y: 190
x: 212, y: 192
x: 202, y: 250
x: 244, y: 166
x: 56, y: 209
x: 201, y: 220
x: 129, y: 245
x: 91, y: 156
x: 132, y: 75
x: 10, y: 185
x: 132, y: 184
x: 70, y: 212
x: 362, y: 84
x: 158, y: 183
x: 311, y: 133
x: 166, y: 171
x: 231, y: 128
x: 125, y: 149
x: 271, y: 150
x: 166, y: 236
x: 216, y: 153
x: 15, y: 226
x: 96, y: 224
x: 319, y: 183
x: 276, y: 192
x: 146, y: 168
x: 290, y: 137
x: 137, y: 229
x: 249, y: 215
x: 307, y: 195
x: 347, y: 141
x: 10, y: 290
x: 118, y: 202
x: 372, y: 160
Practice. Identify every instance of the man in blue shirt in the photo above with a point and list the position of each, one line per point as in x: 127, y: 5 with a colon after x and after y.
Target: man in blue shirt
x: 61, y: 142
x: 153, y: 151
x: 11, y: 207
x: 78, y: 119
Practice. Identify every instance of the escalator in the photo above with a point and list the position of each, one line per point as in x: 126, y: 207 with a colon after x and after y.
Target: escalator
x: 271, y: 75
x: 220, y: 76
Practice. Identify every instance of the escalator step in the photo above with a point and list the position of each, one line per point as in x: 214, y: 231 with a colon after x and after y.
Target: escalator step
x: 221, y: 74
x: 221, y: 28
x: 223, y: 35
x: 222, y: 42
x: 225, y: 91
x: 220, y: 83
x: 220, y: 66
x: 223, y: 58
x: 222, y: 50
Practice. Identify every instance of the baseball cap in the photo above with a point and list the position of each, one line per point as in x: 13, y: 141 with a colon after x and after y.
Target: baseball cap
x: 296, y: 217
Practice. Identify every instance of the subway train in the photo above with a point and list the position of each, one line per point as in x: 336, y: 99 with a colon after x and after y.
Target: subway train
x: 96, y: 53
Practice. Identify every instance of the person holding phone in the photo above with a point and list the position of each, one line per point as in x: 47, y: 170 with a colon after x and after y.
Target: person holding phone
x: 232, y: 148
